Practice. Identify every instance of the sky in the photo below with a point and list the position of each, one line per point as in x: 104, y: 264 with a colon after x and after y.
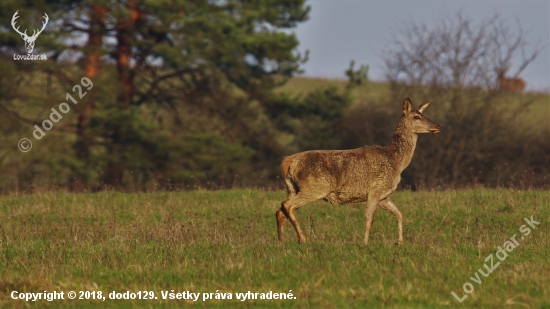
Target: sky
x: 339, y: 31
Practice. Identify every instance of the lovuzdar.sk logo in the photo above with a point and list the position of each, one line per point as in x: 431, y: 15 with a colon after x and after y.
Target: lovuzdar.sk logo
x: 29, y: 40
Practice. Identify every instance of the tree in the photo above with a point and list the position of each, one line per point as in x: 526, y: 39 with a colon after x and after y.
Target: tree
x: 92, y: 51
x: 26, y: 95
x: 312, y: 120
x: 165, y: 78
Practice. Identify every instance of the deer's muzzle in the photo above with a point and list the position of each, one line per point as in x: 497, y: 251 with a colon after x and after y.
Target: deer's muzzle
x: 437, y: 129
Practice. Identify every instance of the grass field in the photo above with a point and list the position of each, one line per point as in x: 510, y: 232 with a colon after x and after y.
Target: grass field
x: 225, y: 242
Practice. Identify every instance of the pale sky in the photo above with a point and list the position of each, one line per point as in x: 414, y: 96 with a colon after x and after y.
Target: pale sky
x: 341, y: 30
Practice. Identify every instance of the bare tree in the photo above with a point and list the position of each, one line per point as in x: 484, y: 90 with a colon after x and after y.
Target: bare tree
x: 458, y: 53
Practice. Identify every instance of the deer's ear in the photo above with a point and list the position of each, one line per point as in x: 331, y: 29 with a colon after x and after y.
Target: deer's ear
x: 407, y: 106
x: 422, y: 107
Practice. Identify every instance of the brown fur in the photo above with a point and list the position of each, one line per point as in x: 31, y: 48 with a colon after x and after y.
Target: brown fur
x: 369, y: 173
x: 284, y: 166
x: 510, y: 84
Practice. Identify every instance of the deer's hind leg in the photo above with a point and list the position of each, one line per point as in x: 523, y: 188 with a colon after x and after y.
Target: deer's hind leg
x: 281, y: 214
x: 281, y: 219
x: 287, y: 211
x: 388, y: 205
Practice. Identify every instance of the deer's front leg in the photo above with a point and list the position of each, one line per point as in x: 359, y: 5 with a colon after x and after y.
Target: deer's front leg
x: 372, y: 204
x: 388, y: 205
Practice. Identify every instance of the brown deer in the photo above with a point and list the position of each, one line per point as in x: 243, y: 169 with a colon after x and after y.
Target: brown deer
x: 369, y: 173
x: 510, y: 84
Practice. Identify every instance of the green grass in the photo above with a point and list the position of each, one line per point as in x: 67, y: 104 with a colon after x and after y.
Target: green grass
x: 538, y: 107
x: 375, y: 92
x: 208, y: 241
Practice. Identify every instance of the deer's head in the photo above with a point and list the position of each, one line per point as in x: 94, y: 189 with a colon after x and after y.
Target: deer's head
x: 29, y: 40
x: 415, y: 121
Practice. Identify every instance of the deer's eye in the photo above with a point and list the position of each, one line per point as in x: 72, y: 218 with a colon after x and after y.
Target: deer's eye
x: 416, y: 117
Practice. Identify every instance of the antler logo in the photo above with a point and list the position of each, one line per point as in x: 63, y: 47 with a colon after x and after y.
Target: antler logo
x: 29, y: 40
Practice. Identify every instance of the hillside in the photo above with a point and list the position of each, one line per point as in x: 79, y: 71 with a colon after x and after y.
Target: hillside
x: 376, y: 92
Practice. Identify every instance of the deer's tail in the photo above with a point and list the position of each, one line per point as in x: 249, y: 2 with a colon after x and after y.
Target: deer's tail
x: 285, y: 167
x: 291, y: 186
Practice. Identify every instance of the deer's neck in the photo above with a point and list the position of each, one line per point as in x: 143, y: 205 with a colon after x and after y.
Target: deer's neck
x: 403, y: 144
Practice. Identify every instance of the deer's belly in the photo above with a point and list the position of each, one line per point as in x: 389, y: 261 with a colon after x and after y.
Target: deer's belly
x: 361, y: 194
x: 340, y: 198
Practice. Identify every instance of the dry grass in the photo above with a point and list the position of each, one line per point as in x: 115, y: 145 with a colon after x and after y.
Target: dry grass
x: 205, y: 241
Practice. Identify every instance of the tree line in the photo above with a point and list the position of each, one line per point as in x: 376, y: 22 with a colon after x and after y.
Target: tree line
x: 187, y: 96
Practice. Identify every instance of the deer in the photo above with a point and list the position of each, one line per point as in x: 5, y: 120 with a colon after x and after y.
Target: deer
x: 510, y: 84
x: 368, y: 174
x: 29, y: 40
